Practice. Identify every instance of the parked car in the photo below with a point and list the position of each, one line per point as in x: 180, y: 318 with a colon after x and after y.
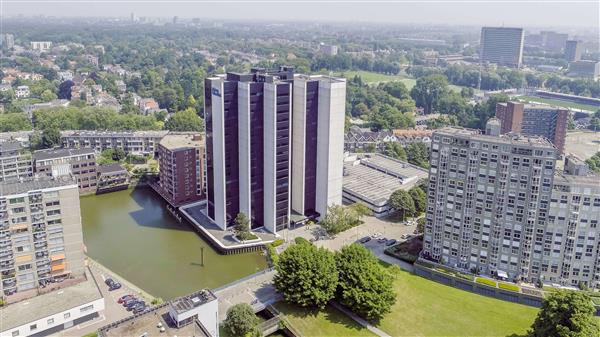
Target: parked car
x: 365, y: 239
x: 130, y: 301
x: 124, y: 298
x: 139, y: 309
x: 131, y: 304
x: 136, y: 305
x: 391, y: 242
x: 109, y: 281
x: 114, y: 286
x: 381, y: 240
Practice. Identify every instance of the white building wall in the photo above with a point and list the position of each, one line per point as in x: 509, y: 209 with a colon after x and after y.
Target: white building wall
x: 57, y: 319
x: 207, y: 314
x: 244, y: 147
x: 269, y: 133
x: 330, y: 144
x: 298, y: 145
x: 218, y: 152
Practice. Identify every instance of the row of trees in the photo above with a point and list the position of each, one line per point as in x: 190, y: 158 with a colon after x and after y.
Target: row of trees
x: 414, y: 153
x: 311, y: 277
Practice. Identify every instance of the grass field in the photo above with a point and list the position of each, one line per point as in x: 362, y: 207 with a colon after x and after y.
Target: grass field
x: 559, y: 103
x: 374, y: 78
x: 427, y: 308
x: 328, y: 322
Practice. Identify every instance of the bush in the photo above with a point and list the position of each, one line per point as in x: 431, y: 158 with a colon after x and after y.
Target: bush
x: 486, y: 281
x: 302, y: 241
x: 272, y: 253
x: 277, y: 243
x: 509, y: 286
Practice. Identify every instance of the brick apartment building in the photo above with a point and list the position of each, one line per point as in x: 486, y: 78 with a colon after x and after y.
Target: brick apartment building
x: 534, y: 120
x: 181, y: 175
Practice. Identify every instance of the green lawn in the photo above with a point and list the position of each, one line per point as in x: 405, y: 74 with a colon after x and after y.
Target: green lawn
x: 559, y: 103
x: 327, y: 322
x: 427, y: 308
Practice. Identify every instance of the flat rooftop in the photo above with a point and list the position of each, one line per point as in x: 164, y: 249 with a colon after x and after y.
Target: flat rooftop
x: 60, y: 153
x: 147, y: 323
x: 9, y: 146
x: 181, y: 141
x: 111, y: 168
x: 34, y: 184
x: 188, y: 302
x: 375, y: 179
x: 509, y: 138
x: 48, y: 304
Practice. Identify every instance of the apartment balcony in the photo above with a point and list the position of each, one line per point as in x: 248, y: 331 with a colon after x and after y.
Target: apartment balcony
x: 6, y: 265
x: 8, y: 274
x: 42, y: 262
x: 6, y: 255
x: 9, y: 283
x: 38, y: 228
x: 40, y: 246
x: 40, y: 255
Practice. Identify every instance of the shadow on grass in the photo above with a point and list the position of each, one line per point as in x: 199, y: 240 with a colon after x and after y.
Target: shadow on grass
x: 330, y: 315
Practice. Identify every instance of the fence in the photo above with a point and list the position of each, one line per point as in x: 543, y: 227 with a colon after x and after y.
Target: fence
x: 243, y: 279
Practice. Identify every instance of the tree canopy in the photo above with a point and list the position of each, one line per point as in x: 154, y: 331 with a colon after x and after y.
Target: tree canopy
x: 364, y: 286
x: 566, y: 313
x: 340, y: 218
x: 185, y: 120
x: 306, y: 275
x: 241, y: 320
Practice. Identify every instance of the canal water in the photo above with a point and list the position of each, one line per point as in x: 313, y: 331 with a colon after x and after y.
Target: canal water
x: 131, y: 233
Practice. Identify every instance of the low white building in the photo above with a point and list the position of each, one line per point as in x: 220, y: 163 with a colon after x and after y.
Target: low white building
x: 52, y: 312
x: 22, y: 91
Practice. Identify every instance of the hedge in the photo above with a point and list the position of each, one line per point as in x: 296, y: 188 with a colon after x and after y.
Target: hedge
x: 277, y: 243
x: 509, y: 286
x: 300, y: 240
x: 487, y: 282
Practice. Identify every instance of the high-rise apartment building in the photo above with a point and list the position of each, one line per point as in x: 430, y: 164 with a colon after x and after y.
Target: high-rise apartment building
x: 502, y: 45
x: 81, y: 163
x: 584, y: 68
x: 40, y: 233
x: 181, y: 174
x: 496, y: 204
x: 572, y: 50
x: 488, y: 201
x: 15, y: 162
x: 534, y: 120
x: 273, y: 145
x: 572, y: 235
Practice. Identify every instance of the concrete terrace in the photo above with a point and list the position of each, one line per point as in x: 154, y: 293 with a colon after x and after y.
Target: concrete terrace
x: 222, y: 240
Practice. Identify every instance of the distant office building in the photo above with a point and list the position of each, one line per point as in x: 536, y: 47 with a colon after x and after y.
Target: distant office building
x: 586, y: 69
x: 15, y: 162
x: 572, y: 50
x: 553, y: 41
x: 488, y: 202
x: 41, y: 46
x: 22, y: 91
x: 81, y: 163
x: 7, y: 40
x: 534, y: 120
x: 502, y: 45
x: 329, y: 49
x: 41, y: 239
x: 256, y: 163
x: 132, y: 142
x: 181, y: 174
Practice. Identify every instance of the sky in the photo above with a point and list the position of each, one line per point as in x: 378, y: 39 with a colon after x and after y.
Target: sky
x: 522, y: 13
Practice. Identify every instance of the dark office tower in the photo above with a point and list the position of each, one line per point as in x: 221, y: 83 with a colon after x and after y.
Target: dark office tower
x: 534, y: 120
x: 252, y: 166
x: 572, y: 50
x: 248, y: 147
x: 502, y: 45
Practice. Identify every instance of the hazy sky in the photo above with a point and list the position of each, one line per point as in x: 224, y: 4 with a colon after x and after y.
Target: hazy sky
x: 526, y: 13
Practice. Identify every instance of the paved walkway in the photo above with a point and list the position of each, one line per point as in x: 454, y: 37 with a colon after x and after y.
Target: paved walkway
x: 257, y: 290
x: 359, y: 320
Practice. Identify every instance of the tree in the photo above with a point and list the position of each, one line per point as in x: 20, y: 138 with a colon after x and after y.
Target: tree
x: 428, y: 90
x: 48, y: 96
x: 566, y: 314
x: 418, y: 154
x: 306, y: 275
x: 395, y: 150
x: 185, y: 120
x: 340, y: 218
x: 364, y: 286
x: 14, y: 122
x: 242, y: 227
x: 241, y: 320
x: 419, y: 198
x: 64, y: 89
x: 50, y: 137
x: 401, y: 200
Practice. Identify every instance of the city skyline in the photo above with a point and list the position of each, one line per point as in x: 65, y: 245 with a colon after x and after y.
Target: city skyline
x: 493, y: 13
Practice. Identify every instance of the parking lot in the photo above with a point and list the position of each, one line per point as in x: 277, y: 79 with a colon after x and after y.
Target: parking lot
x: 112, y: 310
